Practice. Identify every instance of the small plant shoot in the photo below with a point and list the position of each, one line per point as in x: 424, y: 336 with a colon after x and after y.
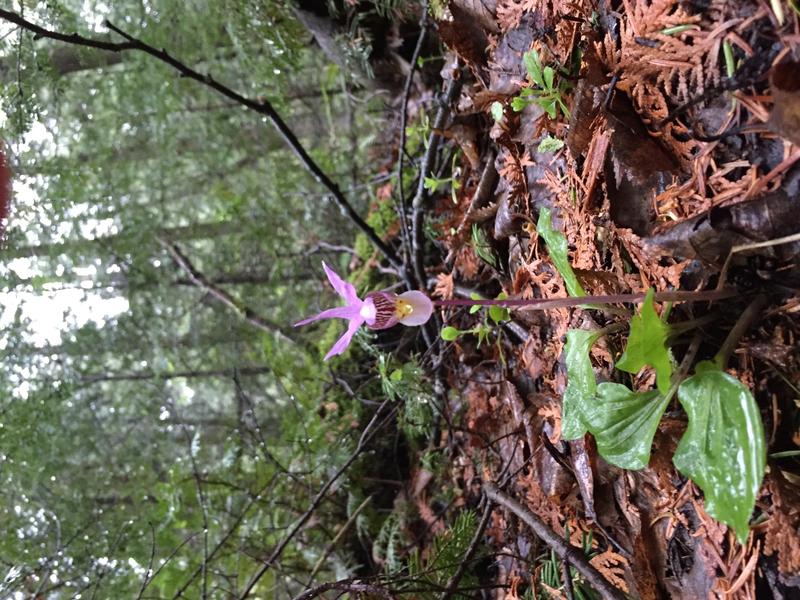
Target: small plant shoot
x: 647, y: 345
x: 558, y: 250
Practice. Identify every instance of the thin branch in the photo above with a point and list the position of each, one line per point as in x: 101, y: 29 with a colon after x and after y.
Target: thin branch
x: 203, y: 282
x: 372, y: 428
x: 423, y: 26
x: 260, y: 105
x: 354, y: 586
x: 149, y: 572
x: 339, y: 535
x: 417, y: 241
x: 743, y: 323
x: 224, y: 540
x: 551, y: 303
x: 562, y: 549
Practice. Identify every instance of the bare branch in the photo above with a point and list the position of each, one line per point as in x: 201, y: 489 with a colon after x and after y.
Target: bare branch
x: 354, y: 586
x: 452, y: 91
x: 260, y: 105
x: 562, y: 549
x: 372, y: 428
x: 203, y: 282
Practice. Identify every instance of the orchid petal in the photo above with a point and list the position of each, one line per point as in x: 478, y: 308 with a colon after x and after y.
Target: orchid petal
x: 339, y: 312
x: 422, y: 308
x: 344, y: 289
x: 343, y: 342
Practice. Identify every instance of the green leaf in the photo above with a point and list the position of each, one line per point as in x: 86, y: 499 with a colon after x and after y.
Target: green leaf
x: 476, y: 307
x: 557, y: 247
x: 647, y: 345
x: 581, y: 383
x: 548, y: 74
x: 497, y: 111
x: 449, y: 333
x: 519, y: 104
x: 432, y: 184
x: 534, y: 66
x: 624, y: 422
x: 550, y: 144
x: 549, y: 107
x: 498, y: 314
x: 723, y: 449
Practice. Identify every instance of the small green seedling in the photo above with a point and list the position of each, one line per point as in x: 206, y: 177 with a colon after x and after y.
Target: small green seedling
x: 544, y: 90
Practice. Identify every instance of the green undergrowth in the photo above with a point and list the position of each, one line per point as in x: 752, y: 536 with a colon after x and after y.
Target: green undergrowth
x: 723, y: 449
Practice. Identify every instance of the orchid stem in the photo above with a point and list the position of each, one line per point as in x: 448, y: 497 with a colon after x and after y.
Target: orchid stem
x: 551, y: 303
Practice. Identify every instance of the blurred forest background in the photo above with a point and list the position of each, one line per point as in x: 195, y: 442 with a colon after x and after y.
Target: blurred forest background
x: 182, y: 168
x: 153, y: 440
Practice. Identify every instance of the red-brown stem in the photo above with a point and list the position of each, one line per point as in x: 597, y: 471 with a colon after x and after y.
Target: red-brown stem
x: 550, y: 303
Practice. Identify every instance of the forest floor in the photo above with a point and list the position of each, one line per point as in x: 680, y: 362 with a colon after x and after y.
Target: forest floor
x: 661, y: 136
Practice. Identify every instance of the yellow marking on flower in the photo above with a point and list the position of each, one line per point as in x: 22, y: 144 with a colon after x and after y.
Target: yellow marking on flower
x: 403, y: 308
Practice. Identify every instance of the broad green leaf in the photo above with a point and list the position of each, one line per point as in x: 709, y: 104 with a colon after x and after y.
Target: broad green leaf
x: 647, y: 345
x: 723, y: 449
x: 449, y: 333
x: 557, y: 247
x: 581, y: 383
x: 623, y: 423
x: 550, y: 144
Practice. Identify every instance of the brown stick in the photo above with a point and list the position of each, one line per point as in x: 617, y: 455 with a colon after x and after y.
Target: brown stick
x: 354, y: 586
x: 562, y: 549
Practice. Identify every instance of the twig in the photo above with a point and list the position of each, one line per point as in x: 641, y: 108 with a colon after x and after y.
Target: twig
x: 354, y: 586
x: 423, y: 26
x: 452, y: 583
x: 417, y: 241
x: 562, y: 549
x: 203, y: 282
x: 338, y: 537
x: 788, y: 239
x: 165, y: 563
x: 260, y: 105
x: 149, y: 572
x: 369, y: 432
x: 742, y: 325
x: 224, y: 540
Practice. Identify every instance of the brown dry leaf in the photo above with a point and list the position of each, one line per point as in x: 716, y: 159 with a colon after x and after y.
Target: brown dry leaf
x: 783, y: 528
x: 785, y: 86
x: 551, y: 412
x: 481, y: 11
x: 462, y: 33
x: 467, y: 262
x: 444, y: 286
x: 612, y: 566
x: 509, y: 12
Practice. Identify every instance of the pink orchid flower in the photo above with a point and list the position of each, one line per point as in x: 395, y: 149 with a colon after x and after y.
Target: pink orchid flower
x: 378, y: 310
